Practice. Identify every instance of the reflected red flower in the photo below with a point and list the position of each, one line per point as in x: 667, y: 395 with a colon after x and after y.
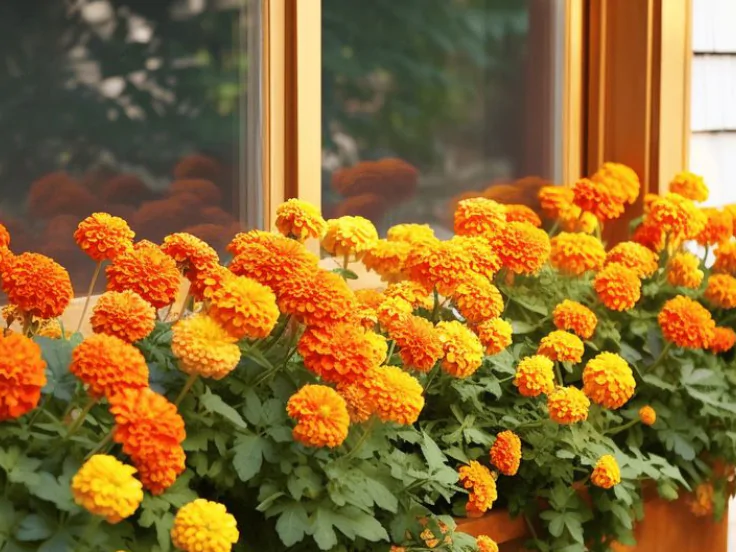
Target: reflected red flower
x: 389, y: 177
x: 58, y: 193
x: 126, y: 189
x: 370, y: 206
x: 207, y: 192
x: 198, y: 166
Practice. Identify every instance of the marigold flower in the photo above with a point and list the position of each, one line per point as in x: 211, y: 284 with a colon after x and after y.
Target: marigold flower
x: 22, y: 375
x: 204, y: 347
x: 523, y: 249
x: 574, y: 219
x: 463, y: 352
x: 495, y: 335
x: 204, y: 283
x: 107, y: 364
x: 411, y: 233
x: 147, y: 271
x: 484, y: 543
x: 321, y: 414
x: 320, y: 300
x: 360, y: 406
x: 51, y: 328
x: 534, y: 376
x: 420, y: 346
x: 723, y: 340
x: 261, y: 237
x: 389, y: 176
x: 371, y: 298
x: 197, y: 165
x: 393, y: 395
x: 683, y: 270
x: 413, y: 293
x: 37, y: 285
x: 561, y: 346
x: 608, y: 380
x: 300, y: 219
x: 204, y: 526
x: 635, y: 256
x: 349, y: 237
x: 554, y: 199
x: 572, y: 316
x: 606, y: 473
x: 725, y: 257
x: 677, y: 216
x: 189, y: 252
x: 441, y: 265
x: 105, y: 487
x: 370, y: 206
x: 686, y: 323
x: 482, y: 257
x: 244, y: 308
x: 568, y: 405
x: 721, y: 291
x: 479, y: 216
x: 482, y: 487
x: 477, y: 300
x: 392, y: 312
x: 431, y: 536
x: 123, y: 314
x: 690, y: 185
x: 4, y: 236
x: 506, y: 452
x: 701, y: 502
x: 618, y: 287
x: 522, y: 213
x: 650, y: 236
x: 601, y: 199
x: 159, y: 466
x: 621, y: 176
x: 718, y: 227
x: 102, y: 236
x: 575, y: 254
x: 387, y: 259
x: 647, y: 415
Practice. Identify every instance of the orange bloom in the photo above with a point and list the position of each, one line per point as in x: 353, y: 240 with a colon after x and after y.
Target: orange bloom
x: 561, y: 346
x: 506, y: 452
x: 371, y: 298
x: 420, y: 346
x: 483, y: 259
x: 321, y: 414
x: 147, y: 271
x: 159, y: 467
x: 620, y: 176
x: 392, y: 312
x: 51, y: 328
x: 189, y: 252
x: 484, y: 543
x: 575, y: 254
x: 568, y: 405
x: 601, y: 199
x: 413, y: 293
x: 650, y: 236
x: 123, y: 314
x: 608, y: 380
x: 393, y: 395
x: 635, y: 256
x: 523, y: 249
x: 300, y: 219
x: 479, y: 216
x: 647, y: 415
x: 495, y: 335
x: 534, y: 376
x: 555, y: 199
x: 725, y: 258
x: 4, y: 236
x: 479, y: 481
x: 387, y: 258
x: 102, y: 236
x: 606, y: 473
x: 411, y: 233
x: 721, y: 291
x: 701, y: 502
x: 22, y: 375
x: 359, y: 404
x: 204, y: 283
x: 522, y: 213
x: 478, y: 300
x: 723, y: 340
x: 204, y: 347
x: 442, y: 265
x: 683, y: 270
x: 462, y: 348
x: 686, y: 323
x: 266, y: 239
x: 690, y: 185
x: 322, y: 299
x: 573, y: 219
x: 617, y: 287
x: 718, y: 227
x: 676, y: 216
x: 37, y: 285
x: 244, y: 308
x: 349, y: 237
x: 571, y: 315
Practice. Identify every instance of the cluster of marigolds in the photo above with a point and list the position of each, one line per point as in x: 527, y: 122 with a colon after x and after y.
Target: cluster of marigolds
x: 349, y: 337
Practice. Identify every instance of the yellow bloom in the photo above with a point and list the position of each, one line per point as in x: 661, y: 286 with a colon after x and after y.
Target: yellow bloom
x: 635, y: 256
x: 411, y: 233
x: 204, y: 347
x: 647, y: 415
x: 387, y: 259
x: 462, y: 348
x: 568, y: 405
x: 479, y: 216
x: 571, y: 315
x: 718, y: 227
x: 608, y: 380
x: 690, y: 185
x: 721, y: 291
x: 606, y: 473
x: 105, y: 487
x: 534, y: 376
x: 204, y: 526
x: 701, y: 503
x: 620, y: 176
x: 393, y: 395
x: 349, y: 237
x: 725, y: 258
x: 561, y: 346
x: 481, y: 486
x: 677, y: 216
x: 484, y: 543
x: 299, y: 219
x: 495, y: 335
x: 412, y: 292
x: 683, y: 270
x: 575, y: 253
x: 244, y: 308
x: 478, y: 300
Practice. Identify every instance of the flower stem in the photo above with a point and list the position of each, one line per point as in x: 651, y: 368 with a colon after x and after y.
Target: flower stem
x: 362, y: 440
x: 390, y: 352
x: 346, y: 261
x: 101, y: 445
x: 623, y: 427
x: 558, y: 371
x: 191, y: 380
x: 184, y: 304
x: 436, y: 308
x: 89, y: 295
x: 76, y: 424
x: 660, y: 359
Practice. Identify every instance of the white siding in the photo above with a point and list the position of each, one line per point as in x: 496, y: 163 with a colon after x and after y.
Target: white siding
x: 713, y: 26
x: 713, y: 93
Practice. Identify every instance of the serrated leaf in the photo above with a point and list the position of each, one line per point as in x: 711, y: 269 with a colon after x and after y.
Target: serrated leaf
x: 214, y: 404
x: 322, y: 529
x: 34, y: 528
x: 248, y: 457
x: 252, y: 408
x: 58, y: 355
x: 292, y: 524
x: 432, y: 453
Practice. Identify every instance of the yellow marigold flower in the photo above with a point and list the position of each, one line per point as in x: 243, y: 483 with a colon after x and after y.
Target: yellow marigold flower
x: 723, y: 340
x: 442, y: 265
x: 244, y: 308
x: 647, y: 415
x: 411, y: 233
x: 506, y: 452
x: 204, y: 526
x: 349, y: 237
x: 575, y: 254
x: 686, y: 323
x: 635, y: 256
x: 495, y: 335
x: 22, y: 375
x: 37, y: 285
x: 555, y: 199
x: 690, y: 185
x: 393, y: 395
x: 299, y: 219
x: 392, y: 312
x: 321, y: 414
x: 604, y: 201
x: 523, y: 249
x: 479, y: 481
x: 462, y: 349
x: 477, y: 300
x: 573, y: 219
x: 522, y: 213
x: 618, y: 174
x: 534, y: 376
x: 484, y: 543
x: 650, y: 236
x: 572, y: 316
x: 683, y: 270
x: 419, y: 343
x: 561, y: 346
x: 721, y: 291
x: 105, y: 487
x: 414, y: 293
x: 701, y: 502
x: 608, y: 380
x: 618, y: 287
x: 102, y: 236
x: 123, y: 314
x: 371, y: 298
x: 52, y: 329
x: 204, y: 347
x: 189, y: 252
x: 568, y: 405
x: 479, y: 216
x: 322, y: 299
x: 718, y: 227
x: 149, y: 272
x: 482, y: 257
x: 725, y: 258
x: 387, y: 259
x: 432, y: 539
x: 606, y: 473
x: 677, y: 216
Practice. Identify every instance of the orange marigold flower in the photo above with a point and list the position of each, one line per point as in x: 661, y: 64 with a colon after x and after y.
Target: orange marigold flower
x: 647, y: 415
x: 635, y: 256
x: 22, y: 375
x: 244, y: 308
x: 266, y: 239
x: 358, y: 402
x: 463, y: 352
x: 479, y: 481
x: 723, y: 340
x: 482, y: 257
x: 102, y: 236
x: 149, y: 272
x: 534, y: 376
x: 506, y: 452
x: 568, y: 405
x: 107, y: 364
x: 477, y: 300
x: 686, y: 323
x: 392, y: 312
x: 322, y: 299
x: 433, y: 536
x: 576, y: 253
x: 441, y: 265
x: 561, y: 346
x: 572, y: 316
x: 725, y: 258
x: 484, y: 543
x: 371, y: 298
x: 189, y: 252
x: 4, y: 236
x: 621, y: 176
x: 495, y: 335
x: 608, y: 380
x: 523, y: 249
x: 105, y: 487
x: 321, y: 414
x: 387, y: 259
x: 204, y: 347
x: 618, y: 287
x: 690, y: 185
x: 204, y: 526
x: 554, y: 199
x: 413, y: 293
x: 393, y: 395
x: 573, y: 219
x: 701, y: 501
x: 479, y: 216
x: 601, y: 199
x: 37, y: 285
x: 159, y: 467
x: 349, y: 237
x: 677, y: 216
x: 420, y: 346
x: 51, y: 328
x: 522, y: 213
x: 123, y: 314
x: 606, y: 473
x: 300, y: 219
x: 411, y: 233
x: 204, y: 283
x: 718, y: 227
x: 721, y: 291
x: 683, y: 270
x: 650, y: 236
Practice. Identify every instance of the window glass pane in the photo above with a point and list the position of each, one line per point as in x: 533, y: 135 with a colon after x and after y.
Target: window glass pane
x: 428, y: 101
x: 137, y: 108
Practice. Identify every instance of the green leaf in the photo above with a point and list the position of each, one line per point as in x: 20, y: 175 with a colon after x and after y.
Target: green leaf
x: 345, y: 273
x: 34, y: 528
x: 214, y: 404
x: 252, y: 409
x: 292, y: 524
x: 163, y: 531
x: 351, y: 521
x: 62, y: 541
x: 321, y: 529
x: 382, y: 496
x: 58, y: 355
x: 56, y: 491
x: 432, y: 453
x: 248, y: 457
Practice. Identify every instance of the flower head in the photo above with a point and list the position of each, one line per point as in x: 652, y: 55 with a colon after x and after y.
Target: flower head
x: 606, y: 473
x: 618, y: 175
x: 413, y: 293
x: 718, y: 227
x: 604, y: 201
x: 575, y: 253
x: 441, y: 265
x: 725, y: 257
x: 463, y: 352
x: 123, y: 314
x: 393, y: 395
x: 686, y: 323
x: 149, y: 272
x: 22, y: 375
x: 555, y: 199
x: 506, y: 452
x: 105, y: 487
x: 608, y: 380
x: 683, y: 270
x: 479, y: 481
x: 323, y: 299
x: 689, y: 185
x: 481, y: 255
x: 204, y: 283
x: 387, y: 258
x: 618, y: 287
x: 561, y: 346
x: 534, y: 376
x: 4, y: 236
x: 37, y: 285
x: 204, y: 526
x: 478, y: 300
x: 300, y: 219
x: 642, y: 260
x: 568, y: 405
x: 721, y: 291
x: 392, y: 312
x: 523, y: 249
x: 495, y: 335
x: 244, y: 308
x: 411, y: 233
x: 204, y: 347
x: 650, y: 236
x: 102, y: 236
x: 572, y: 316
x: 522, y: 213
x: 677, y: 216
x: 479, y: 216
x: 349, y: 237
x: 360, y: 407
x: 189, y: 252
x: 419, y: 343
x: 321, y: 414
x: 484, y: 543
x: 723, y: 340
x: 647, y: 415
